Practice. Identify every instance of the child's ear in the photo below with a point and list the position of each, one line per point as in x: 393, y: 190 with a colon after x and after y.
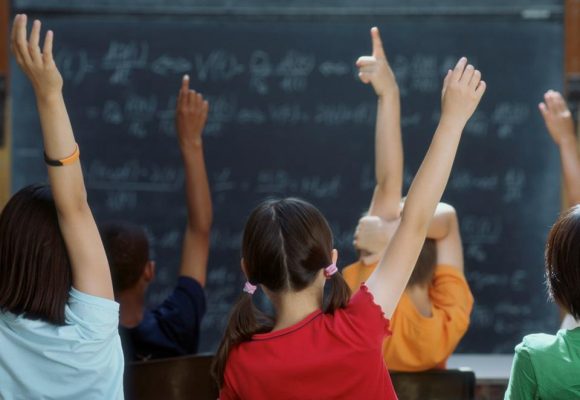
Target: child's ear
x: 149, y: 271
x: 334, y: 256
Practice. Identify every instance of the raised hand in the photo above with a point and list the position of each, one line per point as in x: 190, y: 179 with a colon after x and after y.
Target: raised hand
x: 38, y: 65
x: 557, y: 116
x: 190, y: 118
x: 90, y: 269
x: 375, y: 69
x: 191, y: 115
x: 461, y: 93
x: 373, y: 233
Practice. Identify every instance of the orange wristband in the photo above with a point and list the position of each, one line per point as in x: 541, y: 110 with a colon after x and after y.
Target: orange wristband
x: 65, y: 161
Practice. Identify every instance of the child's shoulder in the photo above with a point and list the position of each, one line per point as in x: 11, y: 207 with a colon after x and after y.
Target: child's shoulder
x: 538, y: 345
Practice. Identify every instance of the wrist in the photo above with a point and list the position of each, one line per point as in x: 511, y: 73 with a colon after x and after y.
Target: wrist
x: 48, y: 97
x: 390, y: 93
x: 567, y: 139
x: 451, y: 123
x: 191, y: 148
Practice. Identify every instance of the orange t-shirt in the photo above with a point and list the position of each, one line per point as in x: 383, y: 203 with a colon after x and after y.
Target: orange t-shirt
x: 419, y: 343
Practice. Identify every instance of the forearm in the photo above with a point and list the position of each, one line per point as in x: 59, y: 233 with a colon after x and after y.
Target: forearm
x: 198, y: 197
x: 429, y: 184
x: 388, y: 157
x: 570, y: 167
x: 66, y: 182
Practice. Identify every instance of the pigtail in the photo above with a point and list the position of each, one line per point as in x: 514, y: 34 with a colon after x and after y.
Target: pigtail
x: 339, y: 293
x: 245, y: 321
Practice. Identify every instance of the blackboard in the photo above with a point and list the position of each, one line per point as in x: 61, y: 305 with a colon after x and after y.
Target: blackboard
x: 288, y: 117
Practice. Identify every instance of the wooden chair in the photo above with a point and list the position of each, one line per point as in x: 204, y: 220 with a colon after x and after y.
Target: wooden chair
x: 189, y: 378
x: 171, y: 379
x: 451, y: 384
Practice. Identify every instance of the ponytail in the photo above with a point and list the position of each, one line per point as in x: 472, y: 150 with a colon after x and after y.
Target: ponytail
x: 245, y: 321
x: 339, y: 294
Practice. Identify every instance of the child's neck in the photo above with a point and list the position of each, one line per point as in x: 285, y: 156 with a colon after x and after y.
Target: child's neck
x: 293, y: 307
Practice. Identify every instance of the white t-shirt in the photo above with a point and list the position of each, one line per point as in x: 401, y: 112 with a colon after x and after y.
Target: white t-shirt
x: 80, y: 360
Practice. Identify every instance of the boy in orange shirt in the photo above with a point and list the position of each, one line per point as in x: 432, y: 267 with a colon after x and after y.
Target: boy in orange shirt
x: 433, y: 313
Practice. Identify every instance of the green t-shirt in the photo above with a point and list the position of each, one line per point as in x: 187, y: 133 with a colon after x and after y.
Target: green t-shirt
x: 546, y: 367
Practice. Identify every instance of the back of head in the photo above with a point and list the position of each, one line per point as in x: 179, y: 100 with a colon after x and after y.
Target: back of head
x: 127, y: 250
x: 562, y: 259
x: 35, y: 271
x: 425, y: 267
x: 286, y: 244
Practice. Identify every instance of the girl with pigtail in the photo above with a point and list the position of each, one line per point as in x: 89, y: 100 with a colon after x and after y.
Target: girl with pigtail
x: 310, y: 350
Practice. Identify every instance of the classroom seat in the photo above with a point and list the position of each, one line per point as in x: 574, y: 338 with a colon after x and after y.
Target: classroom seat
x: 189, y: 378
x: 450, y: 384
x: 171, y: 379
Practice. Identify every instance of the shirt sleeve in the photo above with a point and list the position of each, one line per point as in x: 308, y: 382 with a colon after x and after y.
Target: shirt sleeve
x: 522, y: 384
x: 96, y: 318
x: 363, y: 321
x: 180, y: 315
x: 452, y: 305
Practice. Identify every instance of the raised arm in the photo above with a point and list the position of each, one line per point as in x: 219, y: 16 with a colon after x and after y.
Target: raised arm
x: 90, y: 270
x: 373, y: 234
x: 462, y: 91
x: 375, y: 69
x: 191, y: 115
x: 560, y: 124
x: 444, y: 229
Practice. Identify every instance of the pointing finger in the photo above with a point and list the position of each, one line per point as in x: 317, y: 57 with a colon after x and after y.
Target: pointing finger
x: 33, y: 48
x: 459, y: 68
x: 377, y: 43
x: 47, y: 48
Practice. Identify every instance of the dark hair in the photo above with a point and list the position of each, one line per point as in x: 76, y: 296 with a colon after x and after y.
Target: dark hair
x: 127, y: 250
x: 425, y: 266
x: 563, y: 261
x: 285, y: 245
x: 35, y: 271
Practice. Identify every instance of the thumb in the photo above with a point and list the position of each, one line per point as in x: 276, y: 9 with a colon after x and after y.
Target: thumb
x: 543, y: 109
x: 377, y: 43
x: 446, y: 82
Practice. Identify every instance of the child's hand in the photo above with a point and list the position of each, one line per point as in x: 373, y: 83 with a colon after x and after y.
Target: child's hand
x: 557, y: 116
x: 191, y: 115
x: 373, y: 233
x: 38, y: 66
x: 375, y: 69
x: 462, y: 91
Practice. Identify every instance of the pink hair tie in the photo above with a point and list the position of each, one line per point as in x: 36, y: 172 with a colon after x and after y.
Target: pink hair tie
x: 330, y: 270
x: 249, y: 288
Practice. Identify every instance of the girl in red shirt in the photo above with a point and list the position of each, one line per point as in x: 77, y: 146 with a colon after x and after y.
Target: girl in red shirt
x: 313, y: 349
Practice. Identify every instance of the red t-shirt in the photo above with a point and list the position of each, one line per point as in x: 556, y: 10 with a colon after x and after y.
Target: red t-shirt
x: 322, y: 357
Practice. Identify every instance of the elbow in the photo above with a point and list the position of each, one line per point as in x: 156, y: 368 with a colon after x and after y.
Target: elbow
x: 202, y: 226
x: 450, y: 213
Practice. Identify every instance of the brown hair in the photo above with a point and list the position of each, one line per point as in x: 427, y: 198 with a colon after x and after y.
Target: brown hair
x: 285, y: 245
x: 562, y: 259
x: 35, y: 271
x: 127, y: 250
x: 425, y: 267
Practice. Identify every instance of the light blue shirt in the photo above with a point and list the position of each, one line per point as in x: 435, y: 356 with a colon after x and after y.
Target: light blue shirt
x: 80, y: 360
